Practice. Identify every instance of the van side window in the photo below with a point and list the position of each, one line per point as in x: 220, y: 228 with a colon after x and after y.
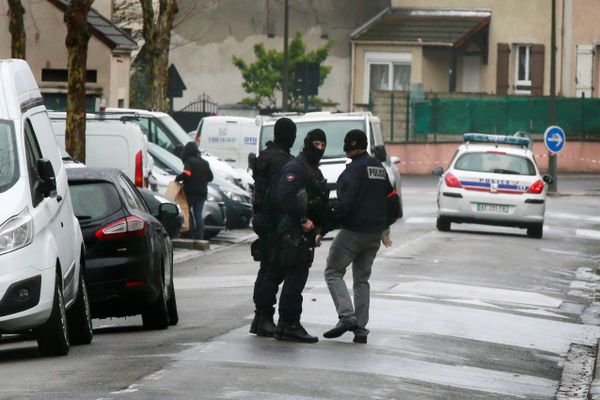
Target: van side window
x: 155, y: 134
x: 32, y: 148
x: 131, y: 196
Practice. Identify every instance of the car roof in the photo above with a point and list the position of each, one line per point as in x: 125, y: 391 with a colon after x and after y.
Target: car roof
x: 318, y: 116
x: 139, y: 111
x: 79, y: 174
x: 478, y: 147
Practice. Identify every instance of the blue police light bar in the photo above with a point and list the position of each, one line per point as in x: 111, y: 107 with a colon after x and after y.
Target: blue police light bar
x: 499, y: 139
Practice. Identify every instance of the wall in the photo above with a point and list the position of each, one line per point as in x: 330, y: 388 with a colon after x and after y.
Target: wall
x: 584, y: 30
x: 421, y: 158
x: 209, y: 32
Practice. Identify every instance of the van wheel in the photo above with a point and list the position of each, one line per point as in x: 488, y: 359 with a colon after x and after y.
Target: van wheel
x: 443, y: 224
x: 156, y: 316
x: 80, y: 317
x: 172, y: 306
x: 536, y: 231
x: 53, y: 337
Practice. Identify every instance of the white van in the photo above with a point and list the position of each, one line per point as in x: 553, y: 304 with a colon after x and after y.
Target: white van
x: 113, y: 143
x: 335, y: 127
x: 41, y: 247
x: 228, y: 138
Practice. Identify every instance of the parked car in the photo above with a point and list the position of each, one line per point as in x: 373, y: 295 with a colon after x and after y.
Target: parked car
x: 237, y: 201
x: 42, y: 285
x: 229, y: 138
x: 336, y: 126
x: 153, y: 200
x: 111, y: 143
x: 129, y: 254
x: 494, y: 180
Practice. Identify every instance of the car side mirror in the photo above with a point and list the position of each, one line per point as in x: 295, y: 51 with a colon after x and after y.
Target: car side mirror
x: 167, y: 210
x: 47, y: 178
x: 251, y: 160
x: 548, y: 179
x: 395, y: 160
x: 379, y: 153
x: 438, y: 171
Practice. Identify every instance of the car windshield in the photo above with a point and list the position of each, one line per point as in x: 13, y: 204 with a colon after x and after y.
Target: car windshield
x: 164, y: 160
x: 495, y: 162
x: 94, y: 200
x: 335, y: 131
x: 9, y: 165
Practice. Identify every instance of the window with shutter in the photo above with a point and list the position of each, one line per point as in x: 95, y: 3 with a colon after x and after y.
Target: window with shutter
x: 502, y: 69
x: 585, y: 66
x: 523, y: 69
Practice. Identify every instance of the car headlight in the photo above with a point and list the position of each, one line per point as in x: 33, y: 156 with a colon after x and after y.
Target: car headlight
x: 235, y: 196
x: 16, y: 233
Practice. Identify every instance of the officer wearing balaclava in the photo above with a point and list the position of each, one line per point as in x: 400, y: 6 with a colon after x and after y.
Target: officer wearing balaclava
x: 303, y: 197
x: 266, y: 172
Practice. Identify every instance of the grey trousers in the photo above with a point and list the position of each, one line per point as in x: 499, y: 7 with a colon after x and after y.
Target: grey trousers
x: 359, y: 249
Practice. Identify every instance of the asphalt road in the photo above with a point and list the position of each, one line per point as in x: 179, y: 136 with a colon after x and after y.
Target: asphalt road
x: 476, y: 313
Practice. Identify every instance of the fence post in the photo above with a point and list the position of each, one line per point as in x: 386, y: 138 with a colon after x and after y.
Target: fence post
x: 407, y: 116
x: 392, y: 117
x: 583, y: 132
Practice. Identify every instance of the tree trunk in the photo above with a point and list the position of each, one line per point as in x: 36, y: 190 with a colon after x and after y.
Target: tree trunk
x: 16, y: 27
x: 157, y: 35
x: 78, y: 36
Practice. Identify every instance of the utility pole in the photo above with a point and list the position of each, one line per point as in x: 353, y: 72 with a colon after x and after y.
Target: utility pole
x: 286, y: 58
x: 552, y: 165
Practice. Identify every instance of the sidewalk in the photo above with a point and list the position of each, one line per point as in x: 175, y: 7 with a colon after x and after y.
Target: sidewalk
x: 222, y: 240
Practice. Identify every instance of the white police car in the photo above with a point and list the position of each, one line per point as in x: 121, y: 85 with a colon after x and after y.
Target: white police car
x: 493, y: 180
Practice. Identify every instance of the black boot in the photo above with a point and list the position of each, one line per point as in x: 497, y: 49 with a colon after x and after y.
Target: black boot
x: 262, y: 324
x: 293, y: 332
x: 265, y: 326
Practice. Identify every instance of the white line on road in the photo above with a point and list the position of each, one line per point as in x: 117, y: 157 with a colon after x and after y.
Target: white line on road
x: 588, y: 233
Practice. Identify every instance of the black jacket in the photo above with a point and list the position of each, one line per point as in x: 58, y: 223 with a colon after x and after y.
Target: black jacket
x: 302, y: 192
x: 195, y: 176
x: 266, y: 175
x: 362, y: 191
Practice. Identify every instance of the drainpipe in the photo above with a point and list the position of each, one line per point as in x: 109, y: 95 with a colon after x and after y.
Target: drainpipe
x: 352, y: 76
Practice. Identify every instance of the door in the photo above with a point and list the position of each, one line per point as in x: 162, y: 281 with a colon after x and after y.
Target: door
x: 585, y: 66
x: 470, y: 78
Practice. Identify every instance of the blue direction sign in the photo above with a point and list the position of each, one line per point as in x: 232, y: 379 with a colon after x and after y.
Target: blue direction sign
x: 555, y: 139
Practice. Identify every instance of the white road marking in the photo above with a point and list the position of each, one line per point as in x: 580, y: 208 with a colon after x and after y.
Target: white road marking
x: 588, y: 233
x: 420, y: 220
x: 131, y: 389
x: 210, y: 282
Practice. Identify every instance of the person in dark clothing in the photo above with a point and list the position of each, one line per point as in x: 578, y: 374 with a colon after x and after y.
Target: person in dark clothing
x: 303, y: 196
x: 266, y: 172
x: 364, y: 213
x: 195, y: 177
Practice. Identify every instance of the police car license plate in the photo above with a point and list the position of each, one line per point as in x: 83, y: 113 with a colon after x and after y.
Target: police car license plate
x: 499, y: 208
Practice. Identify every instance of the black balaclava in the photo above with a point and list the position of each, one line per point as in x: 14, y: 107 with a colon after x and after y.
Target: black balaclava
x: 284, y: 133
x: 311, y: 153
x: 355, y: 139
x: 190, y: 150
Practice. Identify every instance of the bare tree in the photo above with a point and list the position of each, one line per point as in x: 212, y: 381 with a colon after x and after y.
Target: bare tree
x: 78, y: 36
x: 157, y: 36
x: 16, y: 27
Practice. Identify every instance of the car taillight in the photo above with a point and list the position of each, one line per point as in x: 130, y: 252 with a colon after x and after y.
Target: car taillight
x: 139, y: 170
x: 537, y: 187
x: 123, y: 228
x: 451, y: 181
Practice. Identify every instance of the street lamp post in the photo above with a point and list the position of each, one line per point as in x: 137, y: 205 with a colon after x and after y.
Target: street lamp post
x: 286, y: 58
x: 552, y: 164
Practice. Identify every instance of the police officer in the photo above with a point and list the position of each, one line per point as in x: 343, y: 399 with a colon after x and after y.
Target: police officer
x: 266, y: 174
x: 303, y: 196
x: 368, y: 204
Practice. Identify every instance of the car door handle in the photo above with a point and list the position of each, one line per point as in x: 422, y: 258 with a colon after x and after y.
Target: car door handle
x: 58, y: 198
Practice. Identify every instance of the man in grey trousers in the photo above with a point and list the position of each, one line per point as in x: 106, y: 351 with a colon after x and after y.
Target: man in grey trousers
x: 365, y: 211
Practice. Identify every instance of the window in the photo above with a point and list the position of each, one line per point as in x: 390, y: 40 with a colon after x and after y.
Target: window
x: 523, y: 72
x: 9, y: 162
x: 387, y: 71
x: 33, y: 154
x: 495, y: 163
x: 94, y: 200
x: 132, y: 197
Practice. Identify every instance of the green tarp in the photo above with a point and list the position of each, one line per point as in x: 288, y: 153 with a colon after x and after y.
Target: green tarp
x: 506, y: 115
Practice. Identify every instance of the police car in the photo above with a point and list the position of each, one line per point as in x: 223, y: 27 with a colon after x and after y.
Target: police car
x: 493, y: 180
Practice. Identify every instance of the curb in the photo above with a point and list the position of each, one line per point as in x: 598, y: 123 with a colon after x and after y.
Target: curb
x: 577, y: 379
x: 191, y: 244
x: 594, y: 393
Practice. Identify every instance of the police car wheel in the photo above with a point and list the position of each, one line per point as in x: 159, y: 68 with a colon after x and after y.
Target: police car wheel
x: 443, y: 224
x: 535, y: 231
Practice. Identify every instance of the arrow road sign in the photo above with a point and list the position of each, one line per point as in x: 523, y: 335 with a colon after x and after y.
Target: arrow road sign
x: 555, y: 139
